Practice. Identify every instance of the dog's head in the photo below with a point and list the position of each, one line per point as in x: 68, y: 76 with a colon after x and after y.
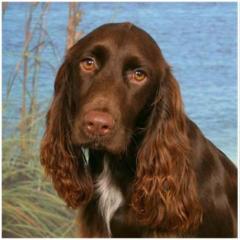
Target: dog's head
x: 115, y: 74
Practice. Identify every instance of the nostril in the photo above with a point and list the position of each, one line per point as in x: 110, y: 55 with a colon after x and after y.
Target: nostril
x: 90, y: 124
x: 104, y: 130
x: 105, y: 127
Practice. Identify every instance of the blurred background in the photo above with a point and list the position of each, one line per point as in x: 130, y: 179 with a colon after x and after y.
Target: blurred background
x: 198, y: 39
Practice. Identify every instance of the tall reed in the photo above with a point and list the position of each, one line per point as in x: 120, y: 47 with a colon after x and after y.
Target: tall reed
x: 31, y: 208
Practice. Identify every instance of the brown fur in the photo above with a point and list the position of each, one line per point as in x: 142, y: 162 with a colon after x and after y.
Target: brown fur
x: 175, y: 182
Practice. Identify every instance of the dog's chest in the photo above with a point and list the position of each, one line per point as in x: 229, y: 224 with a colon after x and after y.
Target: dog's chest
x: 110, y: 196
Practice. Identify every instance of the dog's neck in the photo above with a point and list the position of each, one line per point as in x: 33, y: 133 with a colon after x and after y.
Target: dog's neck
x: 113, y: 176
x: 121, y: 167
x: 110, y: 195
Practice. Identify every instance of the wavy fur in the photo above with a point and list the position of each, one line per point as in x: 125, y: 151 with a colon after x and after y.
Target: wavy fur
x: 64, y: 164
x: 165, y: 194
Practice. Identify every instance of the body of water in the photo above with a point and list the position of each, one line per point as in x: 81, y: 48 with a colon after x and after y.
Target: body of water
x: 198, y: 39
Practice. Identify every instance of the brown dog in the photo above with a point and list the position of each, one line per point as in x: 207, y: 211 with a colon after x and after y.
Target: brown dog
x: 150, y: 171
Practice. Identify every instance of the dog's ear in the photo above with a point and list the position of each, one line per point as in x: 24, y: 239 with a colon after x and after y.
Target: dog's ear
x: 64, y: 163
x: 164, y: 194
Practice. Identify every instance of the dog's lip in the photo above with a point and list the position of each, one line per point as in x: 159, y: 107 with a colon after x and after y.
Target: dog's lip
x: 105, y: 143
x: 94, y: 144
x: 100, y: 145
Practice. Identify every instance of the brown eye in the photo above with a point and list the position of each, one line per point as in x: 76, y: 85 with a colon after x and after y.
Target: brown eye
x: 88, y: 65
x: 139, y: 75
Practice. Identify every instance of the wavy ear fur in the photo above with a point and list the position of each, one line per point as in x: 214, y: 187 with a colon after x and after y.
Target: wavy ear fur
x: 61, y: 161
x: 165, y: 195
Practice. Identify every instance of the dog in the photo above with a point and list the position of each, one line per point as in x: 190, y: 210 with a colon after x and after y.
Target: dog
x: 149, y: 171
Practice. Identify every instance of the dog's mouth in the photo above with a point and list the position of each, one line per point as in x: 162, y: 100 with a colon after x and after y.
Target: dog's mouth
x: 115, y: 143
x: 108, y: 146
x: 95, y: 145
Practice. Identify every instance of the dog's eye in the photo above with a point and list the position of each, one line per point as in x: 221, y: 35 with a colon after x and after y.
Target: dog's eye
x: 139, y: 75
x: 88, y: 64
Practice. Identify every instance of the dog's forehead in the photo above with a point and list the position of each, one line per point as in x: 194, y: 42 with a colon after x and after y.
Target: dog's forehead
x: 124, y: 36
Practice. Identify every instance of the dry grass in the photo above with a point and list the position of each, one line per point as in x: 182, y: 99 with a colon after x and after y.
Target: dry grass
x: 31, y: 208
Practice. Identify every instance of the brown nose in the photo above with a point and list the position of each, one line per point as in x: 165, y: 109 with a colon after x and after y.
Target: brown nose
x: 98, y: 123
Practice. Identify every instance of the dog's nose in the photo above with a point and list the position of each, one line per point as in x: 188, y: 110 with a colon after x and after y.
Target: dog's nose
x: 97, y: 123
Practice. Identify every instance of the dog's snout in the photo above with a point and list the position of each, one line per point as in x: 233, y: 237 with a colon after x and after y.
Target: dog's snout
x: 98, y: 124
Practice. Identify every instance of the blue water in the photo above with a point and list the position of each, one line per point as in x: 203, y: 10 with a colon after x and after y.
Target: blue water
x: 198, y: 39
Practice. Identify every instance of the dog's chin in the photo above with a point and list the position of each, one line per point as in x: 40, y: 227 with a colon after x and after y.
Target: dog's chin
x: 114, y: 145
x: 104, y: 146
x: 95, y: 145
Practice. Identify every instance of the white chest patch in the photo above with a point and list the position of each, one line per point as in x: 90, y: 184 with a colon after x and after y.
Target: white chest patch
x: 110, y: 197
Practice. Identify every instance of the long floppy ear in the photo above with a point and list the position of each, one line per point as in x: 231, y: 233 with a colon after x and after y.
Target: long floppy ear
x: 164, y: 193
x: 63, y: 162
